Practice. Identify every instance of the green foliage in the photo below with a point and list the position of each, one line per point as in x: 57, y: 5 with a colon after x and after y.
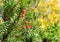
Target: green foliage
x: 9, y: 6
x: 12, y: 28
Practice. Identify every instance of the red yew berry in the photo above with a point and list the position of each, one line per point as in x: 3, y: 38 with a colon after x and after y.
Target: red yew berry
x: 23, y: 11
x: 22, y: 27
x: 26, y: 22
x: 29, y: 27
x: 6, y: 18
x: 23, y: 15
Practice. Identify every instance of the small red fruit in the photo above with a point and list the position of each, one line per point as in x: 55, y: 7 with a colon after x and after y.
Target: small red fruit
x: 22, y: 27
x: 6, y: 18
x: 29, y: 27
x: 26, y: 22
x: 23, y: 11
x: 23, y: 15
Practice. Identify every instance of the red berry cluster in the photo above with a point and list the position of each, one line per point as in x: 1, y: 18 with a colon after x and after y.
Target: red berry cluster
x: 23, y: 12
x: 28, y: 27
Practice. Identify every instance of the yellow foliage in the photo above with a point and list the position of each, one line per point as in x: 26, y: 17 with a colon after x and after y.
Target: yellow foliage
x: 1, y: 2
x: 35, y: 9
x: 16, y: 0
x: 44, y: 23
x: 53, y: 17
